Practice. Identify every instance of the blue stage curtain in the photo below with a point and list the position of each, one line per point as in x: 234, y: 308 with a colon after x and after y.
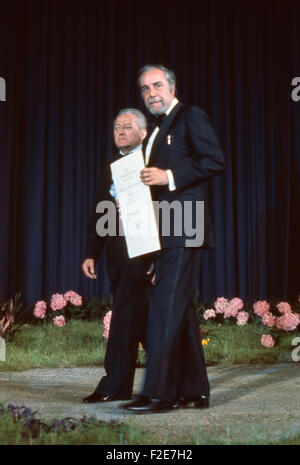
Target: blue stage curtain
x: 70, y: 66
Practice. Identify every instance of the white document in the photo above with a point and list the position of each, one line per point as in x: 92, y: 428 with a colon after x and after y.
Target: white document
x: 136, y: 207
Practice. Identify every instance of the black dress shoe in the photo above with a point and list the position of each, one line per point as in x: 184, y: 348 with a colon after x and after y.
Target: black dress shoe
x: 199, y: 402
x: 96, y: 397
x: 147, y: 405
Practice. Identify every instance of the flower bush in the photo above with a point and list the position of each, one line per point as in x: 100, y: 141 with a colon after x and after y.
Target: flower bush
x: 261, y: 308
x: 276, y: 318
x: 242, y: 318
x: 61, y: 308
x: 40, y: 309
x: 59, y: 321
x: 206, y: 336
x: 58, y: 302
x: 287, y: 322
x: 210, y: 313
x: 267, y: 340
x: 279, y: 318
x: 106, y: 323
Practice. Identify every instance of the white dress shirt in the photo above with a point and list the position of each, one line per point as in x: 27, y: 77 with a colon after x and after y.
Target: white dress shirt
x: 172, y: 186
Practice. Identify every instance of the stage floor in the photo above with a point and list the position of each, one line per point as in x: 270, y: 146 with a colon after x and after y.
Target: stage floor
x: 246, y: 400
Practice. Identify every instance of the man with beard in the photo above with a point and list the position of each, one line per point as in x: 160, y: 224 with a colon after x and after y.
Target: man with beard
x: 182, y: 154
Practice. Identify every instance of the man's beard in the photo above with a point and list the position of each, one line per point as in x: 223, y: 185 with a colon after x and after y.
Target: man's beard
x: 162, y: 109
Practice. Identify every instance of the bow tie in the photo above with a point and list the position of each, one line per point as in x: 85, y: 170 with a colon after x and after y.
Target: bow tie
x: 157, y: 120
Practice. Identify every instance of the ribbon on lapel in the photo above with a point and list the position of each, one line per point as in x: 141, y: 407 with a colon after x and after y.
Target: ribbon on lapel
x: 165, y: 128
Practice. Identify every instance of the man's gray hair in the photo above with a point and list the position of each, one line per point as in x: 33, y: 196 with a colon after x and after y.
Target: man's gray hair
x: 140, y: 117
x: 170, y: 76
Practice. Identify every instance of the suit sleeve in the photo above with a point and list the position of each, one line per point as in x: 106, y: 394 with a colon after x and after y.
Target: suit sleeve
x: 94, y: 242
x: 206, y: 158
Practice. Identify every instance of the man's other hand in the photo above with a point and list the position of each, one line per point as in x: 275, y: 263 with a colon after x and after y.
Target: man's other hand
x: 150, y: 271
x: 88, y: 268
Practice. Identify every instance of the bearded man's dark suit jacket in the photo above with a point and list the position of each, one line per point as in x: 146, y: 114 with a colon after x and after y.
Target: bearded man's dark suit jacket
x: 130, y: 289
x: 187, y: 145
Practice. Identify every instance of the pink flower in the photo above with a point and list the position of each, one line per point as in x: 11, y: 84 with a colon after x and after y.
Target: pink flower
x: 287, y: 322
x: 106, y: 322
x: 267, y: 340
x: 230, y: 311
x: 284, y: 307
x: 40, y: 309
x: 242, y: 318
x: 210, y: 313
x: 268, y: 319
x: 236, y: 303
x: 220, y: 304
x: 58, y: 302
x: 261, y: 307
x: 73, y: 298
x: 232, y: 307
x: 59, y: 321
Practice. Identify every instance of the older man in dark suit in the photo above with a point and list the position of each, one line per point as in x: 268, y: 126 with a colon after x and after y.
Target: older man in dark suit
x: 130, y: 279
x: 182, y: 154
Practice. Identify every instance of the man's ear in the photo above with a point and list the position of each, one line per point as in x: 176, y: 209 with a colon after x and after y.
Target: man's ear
x: 143, y: 133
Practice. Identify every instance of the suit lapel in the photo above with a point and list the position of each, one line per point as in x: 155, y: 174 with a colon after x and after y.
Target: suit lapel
x: 164, y: 129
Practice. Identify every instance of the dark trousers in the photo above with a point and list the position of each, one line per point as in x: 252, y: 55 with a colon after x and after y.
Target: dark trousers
x: 175, y: 358
x: 127, y: 329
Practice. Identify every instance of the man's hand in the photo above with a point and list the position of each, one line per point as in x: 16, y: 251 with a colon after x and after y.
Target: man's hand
x: 154, y: 177
x: 150, y: 271
x: 88, y: 268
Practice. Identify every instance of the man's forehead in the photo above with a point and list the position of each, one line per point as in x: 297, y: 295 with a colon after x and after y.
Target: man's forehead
x: 150, y: 77
x: 125, y: 118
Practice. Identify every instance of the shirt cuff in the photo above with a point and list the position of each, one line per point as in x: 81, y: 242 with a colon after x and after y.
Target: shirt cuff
x: 112, y: 191
x: 172, y: 186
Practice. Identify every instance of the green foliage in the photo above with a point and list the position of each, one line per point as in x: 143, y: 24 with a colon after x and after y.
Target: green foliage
x: 78, y: 343
x: 94, y: 309
x: 29, y: 429
x: 10, y: 312
x: 251, y: 434
x: 241, y: 344
x: 10, y: 432
x: 21, y: 426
